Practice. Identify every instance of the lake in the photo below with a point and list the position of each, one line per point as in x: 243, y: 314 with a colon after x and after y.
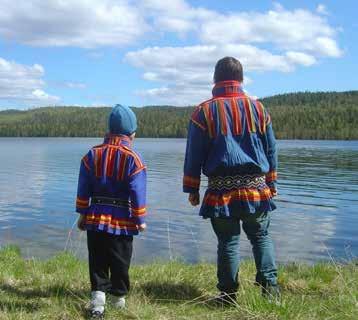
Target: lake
x: 316, y: 219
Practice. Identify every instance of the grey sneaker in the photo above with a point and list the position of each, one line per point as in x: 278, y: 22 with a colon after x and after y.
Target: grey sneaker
x: 98, y: 301
x: 118, y: 302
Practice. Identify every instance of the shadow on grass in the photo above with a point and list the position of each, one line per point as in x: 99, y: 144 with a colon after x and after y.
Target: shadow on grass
x: 170, y: 292
x: 52, y: 291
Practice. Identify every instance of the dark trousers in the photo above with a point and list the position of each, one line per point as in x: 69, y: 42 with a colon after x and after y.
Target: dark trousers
x: 109, y: 260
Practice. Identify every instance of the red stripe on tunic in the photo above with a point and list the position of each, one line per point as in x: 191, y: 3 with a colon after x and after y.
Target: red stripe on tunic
x: 110, y: 159
x: 122, y: 166
x: 236, y: 119
x: 260, y: 112
x: 209, y: 120
x: 248, y: 115
x: 98, y: 161
x: 222, y: 116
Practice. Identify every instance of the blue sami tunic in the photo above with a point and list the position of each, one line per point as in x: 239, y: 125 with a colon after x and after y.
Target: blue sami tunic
x: 231, y: 135
x: 112, y: 187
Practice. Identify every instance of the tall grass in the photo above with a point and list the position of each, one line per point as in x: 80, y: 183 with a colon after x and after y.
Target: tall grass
x: 59, y: 289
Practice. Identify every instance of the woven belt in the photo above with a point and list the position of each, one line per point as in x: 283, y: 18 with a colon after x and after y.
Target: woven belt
x: 236, y: 182
x: 111, y: 202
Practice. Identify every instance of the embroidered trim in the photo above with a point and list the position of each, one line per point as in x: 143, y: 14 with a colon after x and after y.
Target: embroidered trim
x: 236, y: 182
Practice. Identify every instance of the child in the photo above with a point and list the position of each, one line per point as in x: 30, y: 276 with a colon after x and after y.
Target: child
x: 111, y: 201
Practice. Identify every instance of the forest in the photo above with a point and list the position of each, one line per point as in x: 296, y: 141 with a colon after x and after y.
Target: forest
x: 302, y: 115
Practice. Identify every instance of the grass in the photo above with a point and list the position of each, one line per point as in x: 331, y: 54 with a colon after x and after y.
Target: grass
x: 59, y: 289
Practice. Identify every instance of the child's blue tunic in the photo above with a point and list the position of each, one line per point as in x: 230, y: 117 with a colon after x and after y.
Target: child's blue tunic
x: 112, y: 187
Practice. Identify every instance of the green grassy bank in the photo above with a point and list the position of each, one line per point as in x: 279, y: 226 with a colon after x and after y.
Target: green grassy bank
x: 58, y: 289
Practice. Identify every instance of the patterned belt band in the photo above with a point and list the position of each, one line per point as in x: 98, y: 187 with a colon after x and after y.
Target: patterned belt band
x: 111, y: 202
x: 236, y: 182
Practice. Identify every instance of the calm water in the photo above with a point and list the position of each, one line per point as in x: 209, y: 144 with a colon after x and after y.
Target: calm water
x: 317, y: 214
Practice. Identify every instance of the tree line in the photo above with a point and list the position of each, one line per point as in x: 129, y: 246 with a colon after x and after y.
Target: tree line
x: 303, y: 115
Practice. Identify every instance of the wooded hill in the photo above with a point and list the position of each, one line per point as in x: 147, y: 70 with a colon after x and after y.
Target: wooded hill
x: 303, y: 115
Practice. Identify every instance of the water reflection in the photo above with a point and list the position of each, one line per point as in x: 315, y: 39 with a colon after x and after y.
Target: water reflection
x: 317, y: 212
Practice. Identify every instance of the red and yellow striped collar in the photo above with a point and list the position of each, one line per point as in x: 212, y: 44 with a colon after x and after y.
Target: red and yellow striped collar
x: 229, y: 88
x: 117, y: 140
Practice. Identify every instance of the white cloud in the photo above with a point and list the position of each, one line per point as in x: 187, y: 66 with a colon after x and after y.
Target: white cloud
x: 75, y: 85
x: 321, y: 9
x: 23, y: 84
x: 291, y: 38
x: 289, y: 30
x: 81, y: 23
x: 300, y: 58
x: 186, y: 72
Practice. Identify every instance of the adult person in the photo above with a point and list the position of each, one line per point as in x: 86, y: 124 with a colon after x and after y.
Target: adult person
x: 231, y: 141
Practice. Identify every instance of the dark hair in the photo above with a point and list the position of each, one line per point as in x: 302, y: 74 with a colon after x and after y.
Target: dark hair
x: 228, y: 68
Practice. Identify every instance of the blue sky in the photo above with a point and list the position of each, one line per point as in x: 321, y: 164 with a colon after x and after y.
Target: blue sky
x: 154, y: 52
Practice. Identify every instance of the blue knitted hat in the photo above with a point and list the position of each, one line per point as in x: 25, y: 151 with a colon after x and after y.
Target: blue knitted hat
x: 122, y: 120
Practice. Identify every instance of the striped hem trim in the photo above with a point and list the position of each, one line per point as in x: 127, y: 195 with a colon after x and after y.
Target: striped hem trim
x: 248, y: 195
x: 110, y: 222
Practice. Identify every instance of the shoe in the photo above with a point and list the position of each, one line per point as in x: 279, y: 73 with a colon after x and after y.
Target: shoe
x: 119, y: 302
x: 95, y: 314
x: 271, y: 293
x: 225, y: 299
x: 98, y: 301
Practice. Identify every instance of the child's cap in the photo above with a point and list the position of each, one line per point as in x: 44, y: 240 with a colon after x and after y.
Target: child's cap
x: 122, y: 120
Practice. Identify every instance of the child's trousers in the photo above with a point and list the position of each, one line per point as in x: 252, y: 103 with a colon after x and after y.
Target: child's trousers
x: 109, y: 260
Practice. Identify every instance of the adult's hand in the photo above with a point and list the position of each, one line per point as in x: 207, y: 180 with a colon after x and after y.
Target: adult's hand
x: 194, y: 198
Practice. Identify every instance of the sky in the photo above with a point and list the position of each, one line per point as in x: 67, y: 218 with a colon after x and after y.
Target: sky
x: 155, y: 52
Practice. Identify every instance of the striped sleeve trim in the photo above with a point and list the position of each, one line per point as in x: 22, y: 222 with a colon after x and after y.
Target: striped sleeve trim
x: 82, y: 203
x: 191, y: 182
x: 139, y: 212
x: 271, y: 176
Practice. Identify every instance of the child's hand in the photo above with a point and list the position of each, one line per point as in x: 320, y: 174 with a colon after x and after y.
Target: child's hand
x: 81, y: 222
x: 142, y: 227
x: 194, y: 199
